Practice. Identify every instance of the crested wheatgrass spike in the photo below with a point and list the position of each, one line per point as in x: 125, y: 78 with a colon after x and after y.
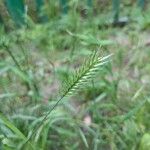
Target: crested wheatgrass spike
x: 76, y: 82
x: 83, y: 75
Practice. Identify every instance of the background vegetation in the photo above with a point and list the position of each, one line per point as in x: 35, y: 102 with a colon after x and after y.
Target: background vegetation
x: 111, y: 112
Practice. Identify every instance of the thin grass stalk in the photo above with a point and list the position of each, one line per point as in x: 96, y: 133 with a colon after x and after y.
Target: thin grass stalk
x: 79, y: 79
x: 28, y: 85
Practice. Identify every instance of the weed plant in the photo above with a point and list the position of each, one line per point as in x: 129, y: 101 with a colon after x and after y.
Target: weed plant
x: 45, y: 104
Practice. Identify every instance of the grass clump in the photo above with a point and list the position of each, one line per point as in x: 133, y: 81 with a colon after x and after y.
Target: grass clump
x: 103, y: 104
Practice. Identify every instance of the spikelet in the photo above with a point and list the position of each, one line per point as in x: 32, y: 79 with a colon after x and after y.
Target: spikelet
x: 78, y: 80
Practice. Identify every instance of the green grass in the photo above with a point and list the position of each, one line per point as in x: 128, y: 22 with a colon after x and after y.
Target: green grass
x: 111, y: 111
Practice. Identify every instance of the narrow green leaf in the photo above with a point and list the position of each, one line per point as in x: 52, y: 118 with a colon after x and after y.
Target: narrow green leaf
x: 83, y: 138
x: 12, y: 127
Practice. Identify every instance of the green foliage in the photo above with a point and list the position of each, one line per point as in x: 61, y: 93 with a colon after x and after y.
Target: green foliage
x: 102, y: 105
x: 145, y: 142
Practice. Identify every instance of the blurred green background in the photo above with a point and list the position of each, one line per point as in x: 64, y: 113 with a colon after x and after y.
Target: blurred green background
x: 43, y: 42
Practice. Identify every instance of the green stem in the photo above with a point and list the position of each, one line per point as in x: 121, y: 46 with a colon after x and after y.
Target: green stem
x: 28, y: 85
x: 14, y: 59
